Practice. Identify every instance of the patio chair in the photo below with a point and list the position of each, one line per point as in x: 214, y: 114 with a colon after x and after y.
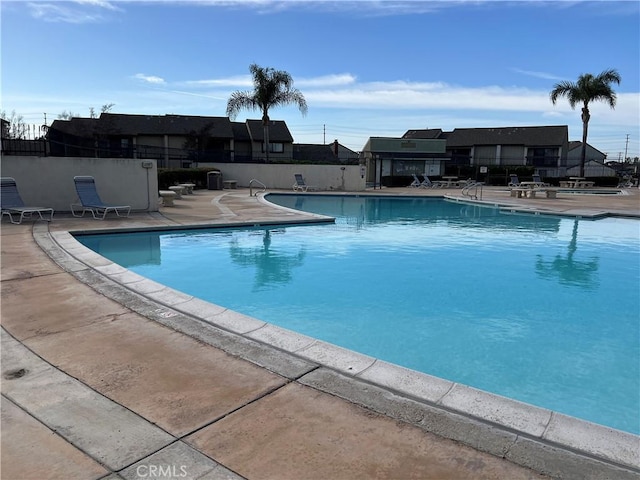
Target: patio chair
x: 514, y: 182
x: 427, y: 183
x: 90, y: 200
x: 416, y: 181
x: 301, y: 185
x: 538, y: 181
x: 625, y: 183
x: 11, y: 203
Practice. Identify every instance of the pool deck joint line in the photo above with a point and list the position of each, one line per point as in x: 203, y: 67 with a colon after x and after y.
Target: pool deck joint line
x: 538, y: 439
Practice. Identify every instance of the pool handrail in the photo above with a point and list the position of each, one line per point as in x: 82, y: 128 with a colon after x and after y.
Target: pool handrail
x: 262, y: 185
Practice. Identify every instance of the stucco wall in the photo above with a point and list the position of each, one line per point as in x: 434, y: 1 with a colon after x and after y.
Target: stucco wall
x: 325, y: 177
x: 48, y: 181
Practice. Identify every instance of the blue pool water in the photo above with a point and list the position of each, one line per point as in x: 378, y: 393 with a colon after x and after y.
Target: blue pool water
x: 537, y: 308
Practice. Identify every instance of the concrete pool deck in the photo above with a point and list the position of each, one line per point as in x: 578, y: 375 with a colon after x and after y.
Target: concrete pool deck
x: 108, y: 375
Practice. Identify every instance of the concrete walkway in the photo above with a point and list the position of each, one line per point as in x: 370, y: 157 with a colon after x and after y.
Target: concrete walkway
x: 99, y: 381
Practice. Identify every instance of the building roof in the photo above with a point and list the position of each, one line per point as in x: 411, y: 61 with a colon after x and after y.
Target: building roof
x: 278, y: 131
x: 315, y: 153
x: 530, y: 136
x: 133, y: 125
x: 124, y: 124
x: 425, y: 134
x: 76, y: 126
x: 240, y: 132
x: 578, y: 144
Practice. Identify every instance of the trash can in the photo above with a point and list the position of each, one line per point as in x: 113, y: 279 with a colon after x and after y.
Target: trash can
x: 214, y: 180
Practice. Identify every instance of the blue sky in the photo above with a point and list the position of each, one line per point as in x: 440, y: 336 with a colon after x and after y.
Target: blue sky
x: 365, y: 68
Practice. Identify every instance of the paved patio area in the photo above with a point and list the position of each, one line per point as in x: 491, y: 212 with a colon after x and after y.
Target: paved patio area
x: 102, y: 381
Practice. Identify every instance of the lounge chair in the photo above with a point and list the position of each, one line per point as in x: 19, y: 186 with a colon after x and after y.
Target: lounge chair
x: 11, y: 203
x: 301, y: 185
x: 90, y: 200
x: 416, y: 181
x: 625, y: 183
x: 538, y: 181
x: 514, y: 182
x: 464, y: 183
x: 427, y: 183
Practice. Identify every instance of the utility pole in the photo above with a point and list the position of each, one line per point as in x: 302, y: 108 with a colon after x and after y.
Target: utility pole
x: 324, y: 133
x: 626, y: 146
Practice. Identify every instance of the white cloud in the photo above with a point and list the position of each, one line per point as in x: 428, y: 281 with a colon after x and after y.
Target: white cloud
x: 406, y: 95
x: 98, y: 3
x: 239, y: 81
x: 60, y: 13
x: 149, y: 79
x: 246, y: 81
x: 326, y: 80
x: 77, y: 12
x: 543, y: 75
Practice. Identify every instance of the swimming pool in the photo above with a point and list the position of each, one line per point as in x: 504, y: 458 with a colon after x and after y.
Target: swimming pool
x: 537, y: 308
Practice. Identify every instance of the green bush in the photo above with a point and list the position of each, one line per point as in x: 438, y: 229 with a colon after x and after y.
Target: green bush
x: 173, y: 176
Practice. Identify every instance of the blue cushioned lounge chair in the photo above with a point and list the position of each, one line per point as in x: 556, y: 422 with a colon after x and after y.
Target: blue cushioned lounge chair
x: 90, y: 200
x: 514, y: 182
x: 301, y: 185
x: 11, y: 203
x: 538, y: 181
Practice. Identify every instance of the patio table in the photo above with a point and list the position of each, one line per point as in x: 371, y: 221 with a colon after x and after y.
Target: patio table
x: 449, y: 181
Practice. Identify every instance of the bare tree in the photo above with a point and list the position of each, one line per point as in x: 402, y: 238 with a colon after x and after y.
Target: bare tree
x: 67, y: 115
x: 92, y: 112
x: 105, y: 108
x: 17, y: 127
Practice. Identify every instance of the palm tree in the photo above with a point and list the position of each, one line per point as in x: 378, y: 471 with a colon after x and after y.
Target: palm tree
x: 587, y: 89
x: 270, y: 88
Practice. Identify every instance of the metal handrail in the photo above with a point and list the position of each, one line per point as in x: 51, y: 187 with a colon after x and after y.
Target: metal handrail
x: 466, y: 191
x: 251, y: 182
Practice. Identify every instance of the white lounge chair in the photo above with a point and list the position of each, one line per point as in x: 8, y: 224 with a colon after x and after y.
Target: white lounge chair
x: 11, y: 203
x: 427, y: 183
x: 416, y: 181
x: 301, y: 185
x: 625, y: 183
x: 90, y: 201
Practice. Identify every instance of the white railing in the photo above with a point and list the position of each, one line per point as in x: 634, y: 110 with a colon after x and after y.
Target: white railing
x: 471, y: 190
x: 259, y: 183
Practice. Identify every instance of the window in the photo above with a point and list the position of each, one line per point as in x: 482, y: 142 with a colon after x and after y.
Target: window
x: 542, y: 157
x: 276, y: 147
